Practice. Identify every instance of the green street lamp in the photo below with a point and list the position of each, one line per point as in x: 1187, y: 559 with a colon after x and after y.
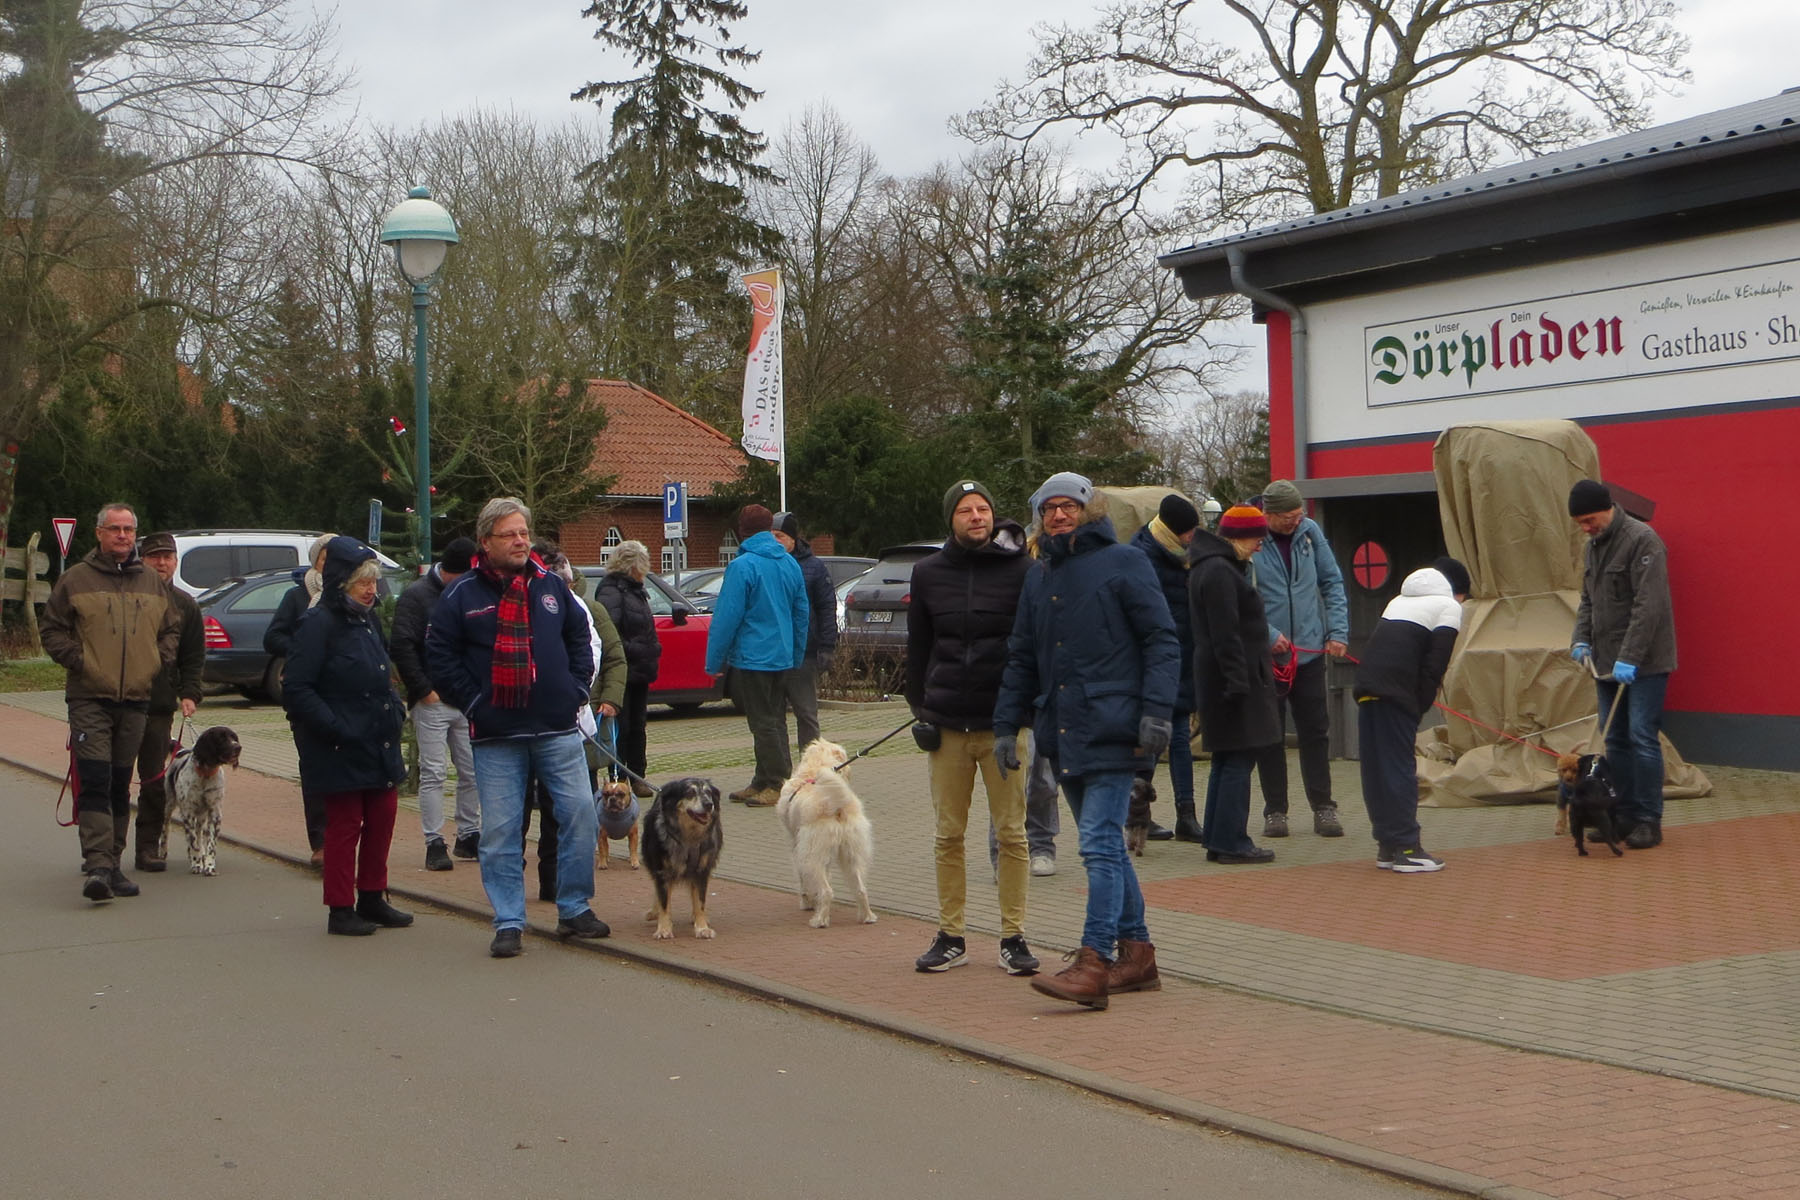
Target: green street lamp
x: 422, y: 232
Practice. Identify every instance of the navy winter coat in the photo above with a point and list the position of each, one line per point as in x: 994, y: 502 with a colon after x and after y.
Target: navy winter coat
x: 1093, y: 650
x: 338, y: 691
x: 1172, y: 574
x: 1234, y: 678
x: 821, y: 603
x: 459, y: 653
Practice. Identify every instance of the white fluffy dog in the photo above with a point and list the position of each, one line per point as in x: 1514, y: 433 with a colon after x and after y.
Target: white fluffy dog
x: 826, y: 823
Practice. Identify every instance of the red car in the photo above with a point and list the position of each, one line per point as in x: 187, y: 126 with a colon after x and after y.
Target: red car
x: 681, y: 679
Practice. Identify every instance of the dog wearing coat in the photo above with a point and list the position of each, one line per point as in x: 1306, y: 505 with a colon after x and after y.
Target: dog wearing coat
x: 826, y: 825
x: 681, y: 844
x: 195, y: 785
x: 618, y: 821
x: 1586, y: 800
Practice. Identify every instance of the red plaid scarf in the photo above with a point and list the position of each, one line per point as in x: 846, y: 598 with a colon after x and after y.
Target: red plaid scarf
x: 513, y: 672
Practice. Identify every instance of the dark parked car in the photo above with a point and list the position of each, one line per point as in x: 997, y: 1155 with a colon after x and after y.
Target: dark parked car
x: 702, y: 586
x: 875, y: 607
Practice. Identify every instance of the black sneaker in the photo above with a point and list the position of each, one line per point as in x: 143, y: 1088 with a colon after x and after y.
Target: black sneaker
x: 468, y: 845
x: 945, y: 952
x: 1646, y: 836
x: 347, y: 922
x: 1414, y: 861
x: 437, y: 857
x: 583, y: 925
x: 506, y: 944
x: 1016, y: 957
x: 1384, y: 857
x: 98, y: 886
x: 121, y: 886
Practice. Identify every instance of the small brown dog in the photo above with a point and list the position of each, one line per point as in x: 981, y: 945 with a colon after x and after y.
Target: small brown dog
x: 1137, y: 818
x: 1587, y: 794
x: 618, y: 819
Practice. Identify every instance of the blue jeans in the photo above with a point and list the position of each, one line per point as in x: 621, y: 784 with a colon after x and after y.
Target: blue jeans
x: 1634, y: 747
x: 502, y: 768
x: 1115, y: 906
x: 1227, y: 820
x: 1181, y: 760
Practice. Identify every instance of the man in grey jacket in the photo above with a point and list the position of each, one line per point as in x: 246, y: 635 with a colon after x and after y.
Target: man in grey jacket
x: 1626, y: 625
x: 1309, y: 621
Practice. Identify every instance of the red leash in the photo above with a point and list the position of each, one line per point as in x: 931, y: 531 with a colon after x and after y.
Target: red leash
x: 1491, y: 729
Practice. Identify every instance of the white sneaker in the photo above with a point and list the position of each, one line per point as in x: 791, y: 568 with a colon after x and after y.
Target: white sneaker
x: 1043, y: 864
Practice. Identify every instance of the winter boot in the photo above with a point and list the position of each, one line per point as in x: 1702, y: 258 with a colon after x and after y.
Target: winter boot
x: 1187, y: 828
x: 373, y: 906
x: 1134, y: 970
x: 1083, y: 981
x: 347, y: 922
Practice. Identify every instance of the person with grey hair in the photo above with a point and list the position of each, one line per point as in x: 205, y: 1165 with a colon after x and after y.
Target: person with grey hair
x: 622, y: 595
x: 507, y: 647
x: 339, y: 695
x: 309, y: 582
x: 111, y: 625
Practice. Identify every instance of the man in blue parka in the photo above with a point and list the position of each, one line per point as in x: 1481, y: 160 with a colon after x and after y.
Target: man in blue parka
x: 759, y: 630
x: 1093, y: 652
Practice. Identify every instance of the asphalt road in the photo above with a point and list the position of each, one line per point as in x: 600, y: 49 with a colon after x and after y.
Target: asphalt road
x: 208, y: 1039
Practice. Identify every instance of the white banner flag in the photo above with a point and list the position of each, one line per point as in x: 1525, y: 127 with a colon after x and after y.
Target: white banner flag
x: 765, y: 428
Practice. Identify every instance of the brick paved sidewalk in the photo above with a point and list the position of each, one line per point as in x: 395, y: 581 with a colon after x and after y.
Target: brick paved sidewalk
x: 1364, y: 1014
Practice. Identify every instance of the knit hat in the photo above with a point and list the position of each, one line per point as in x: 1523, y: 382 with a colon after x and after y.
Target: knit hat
x: 1282, y: 497
x: 156, y: 543
x: 1454, y: 572
x: 1242, y: 521
x: 961, y: 488
x: 788, y: 523
x: 1178, y: 514
x: 458, y: 556
x: 754, y: 519
x: 1589, y: 496
x: 1064, y: 483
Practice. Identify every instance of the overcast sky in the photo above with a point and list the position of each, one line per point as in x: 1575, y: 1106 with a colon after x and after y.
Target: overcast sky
x: 896, y: 72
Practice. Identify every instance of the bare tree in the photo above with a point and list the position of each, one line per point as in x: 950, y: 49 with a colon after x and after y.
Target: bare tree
x: 102, y: 101
x: 1310, y: 105
x: 1220, y: 446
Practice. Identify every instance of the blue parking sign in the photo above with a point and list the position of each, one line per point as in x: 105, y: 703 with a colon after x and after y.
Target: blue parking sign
x: 675, y: 522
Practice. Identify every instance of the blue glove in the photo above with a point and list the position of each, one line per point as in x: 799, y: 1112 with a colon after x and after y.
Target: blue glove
x: 1581, y: 652
x: 1624, y: 672
x: 1006, y: 753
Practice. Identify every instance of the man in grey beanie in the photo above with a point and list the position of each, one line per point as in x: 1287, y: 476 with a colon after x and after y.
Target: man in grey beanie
x: 1309, y: 621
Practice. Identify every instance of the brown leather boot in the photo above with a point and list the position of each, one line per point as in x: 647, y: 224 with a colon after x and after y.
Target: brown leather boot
x: 1135, y: 969
x: 1083, y: 981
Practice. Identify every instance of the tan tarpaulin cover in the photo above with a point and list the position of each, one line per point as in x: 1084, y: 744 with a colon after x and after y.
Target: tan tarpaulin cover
x: 1132, y: 507
x: 1503, y: 490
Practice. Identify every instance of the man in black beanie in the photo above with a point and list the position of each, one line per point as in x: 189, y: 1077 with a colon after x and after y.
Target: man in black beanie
x: 1164, y: 541
x: 440, y: 729
x: 801, y: 684
x: 1626, y: 626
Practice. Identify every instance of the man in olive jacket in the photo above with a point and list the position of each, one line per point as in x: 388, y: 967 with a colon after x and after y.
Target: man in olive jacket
x: 961, y: 614
x: 111, y: 625
x: 179, y: 686
x: 1626, y: 625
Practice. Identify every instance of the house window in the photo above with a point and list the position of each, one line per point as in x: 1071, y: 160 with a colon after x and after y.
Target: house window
x: 728, y: 547
x: 613, y: 538
x: 670, y: 560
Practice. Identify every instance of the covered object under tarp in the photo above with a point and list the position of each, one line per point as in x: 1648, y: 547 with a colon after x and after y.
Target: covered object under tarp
x: 1503, y: 488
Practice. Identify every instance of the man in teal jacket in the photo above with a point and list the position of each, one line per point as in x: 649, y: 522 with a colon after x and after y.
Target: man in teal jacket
x: 759, y: 630
x: 1303, y: 596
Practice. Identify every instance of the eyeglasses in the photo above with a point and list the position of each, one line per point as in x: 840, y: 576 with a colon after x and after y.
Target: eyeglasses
x: 118, y: 529
x: 1060, y: 506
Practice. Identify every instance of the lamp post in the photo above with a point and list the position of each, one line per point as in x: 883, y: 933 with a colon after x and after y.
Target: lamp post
x: 422, y: 232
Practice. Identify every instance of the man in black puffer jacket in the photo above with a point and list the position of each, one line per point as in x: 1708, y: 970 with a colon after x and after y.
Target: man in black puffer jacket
x: 963, y: 601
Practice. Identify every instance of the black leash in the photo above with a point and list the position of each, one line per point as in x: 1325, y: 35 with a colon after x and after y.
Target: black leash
x: 866, y: 750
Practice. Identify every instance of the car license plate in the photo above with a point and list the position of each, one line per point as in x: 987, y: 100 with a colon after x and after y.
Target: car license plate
x: 880, y: 617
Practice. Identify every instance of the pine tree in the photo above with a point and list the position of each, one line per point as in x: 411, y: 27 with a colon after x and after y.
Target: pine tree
x: 665, y: 229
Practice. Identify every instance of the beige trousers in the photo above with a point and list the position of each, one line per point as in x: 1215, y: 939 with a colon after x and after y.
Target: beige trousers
x: 953, y: 767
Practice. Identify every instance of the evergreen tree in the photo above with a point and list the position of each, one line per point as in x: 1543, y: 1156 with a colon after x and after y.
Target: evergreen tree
x: 664, y: 227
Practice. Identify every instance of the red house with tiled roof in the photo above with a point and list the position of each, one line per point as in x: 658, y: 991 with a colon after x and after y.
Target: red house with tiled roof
x: 648, y: 442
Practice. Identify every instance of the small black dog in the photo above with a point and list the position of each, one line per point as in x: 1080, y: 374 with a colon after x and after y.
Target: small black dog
x: 681, y: 841
x: 1586, y: 799
x: 1137, y: 817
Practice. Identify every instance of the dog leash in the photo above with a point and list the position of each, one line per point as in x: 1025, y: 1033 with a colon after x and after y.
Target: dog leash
x: 607, y: 753
x: 71, y: 779
x: 1599, y: 745
x: 867, y: 750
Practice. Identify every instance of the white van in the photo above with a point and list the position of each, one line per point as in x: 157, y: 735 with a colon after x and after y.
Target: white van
x: 205, y: 558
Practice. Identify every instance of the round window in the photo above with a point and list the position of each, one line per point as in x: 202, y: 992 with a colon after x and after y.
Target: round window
x: 1370, y: 566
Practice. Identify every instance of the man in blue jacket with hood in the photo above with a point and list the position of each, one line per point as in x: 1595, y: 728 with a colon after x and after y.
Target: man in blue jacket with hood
x: 1093, y: 653
x: 509, y: 646
x: 759, y: 630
